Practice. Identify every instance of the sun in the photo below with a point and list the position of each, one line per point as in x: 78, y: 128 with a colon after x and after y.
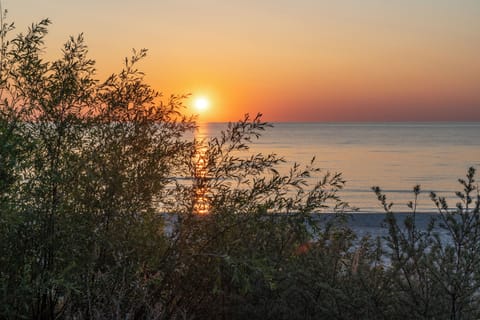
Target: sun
x: 201, y: 104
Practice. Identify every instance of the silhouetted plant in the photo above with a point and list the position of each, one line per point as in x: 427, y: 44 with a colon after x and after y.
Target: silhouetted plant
x: 88, y: 172
x: 257, y: 218
x: 84, y: 165
x: 434, y: 268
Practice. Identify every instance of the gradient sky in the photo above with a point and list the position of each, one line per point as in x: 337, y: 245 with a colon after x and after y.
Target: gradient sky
x: 302, y: 60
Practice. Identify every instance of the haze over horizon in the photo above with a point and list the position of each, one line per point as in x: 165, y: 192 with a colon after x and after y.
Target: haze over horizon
x: 306, y: 60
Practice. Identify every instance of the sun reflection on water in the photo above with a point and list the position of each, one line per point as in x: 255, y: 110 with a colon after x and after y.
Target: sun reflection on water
x: 201, y: 204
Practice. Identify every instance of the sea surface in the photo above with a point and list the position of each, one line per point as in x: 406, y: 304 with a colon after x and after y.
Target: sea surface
x: 394, y: 156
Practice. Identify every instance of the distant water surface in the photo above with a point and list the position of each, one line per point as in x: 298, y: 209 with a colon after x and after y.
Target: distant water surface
x: 394, y: 156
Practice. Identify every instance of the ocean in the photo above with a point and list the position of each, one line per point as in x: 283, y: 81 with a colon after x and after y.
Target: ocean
x: 393, y: 156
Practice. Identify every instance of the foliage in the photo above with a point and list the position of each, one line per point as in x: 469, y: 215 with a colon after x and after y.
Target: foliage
x: 83, y: 166
x: 89, y: 193
x: 436, y: 270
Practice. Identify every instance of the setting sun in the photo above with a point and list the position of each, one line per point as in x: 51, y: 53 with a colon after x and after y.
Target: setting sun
x: 201, y: 104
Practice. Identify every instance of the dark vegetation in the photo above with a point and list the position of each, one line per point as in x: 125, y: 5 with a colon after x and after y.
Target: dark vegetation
x: 99, y: 218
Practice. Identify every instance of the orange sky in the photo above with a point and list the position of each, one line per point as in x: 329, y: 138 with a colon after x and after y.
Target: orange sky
x: 303, y: 60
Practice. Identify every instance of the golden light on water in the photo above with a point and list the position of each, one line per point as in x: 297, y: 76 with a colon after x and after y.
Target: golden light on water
x: 201, y: 205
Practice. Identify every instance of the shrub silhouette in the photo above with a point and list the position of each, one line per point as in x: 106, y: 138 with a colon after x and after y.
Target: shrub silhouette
x: 90, y: 185
x: 434, y: 269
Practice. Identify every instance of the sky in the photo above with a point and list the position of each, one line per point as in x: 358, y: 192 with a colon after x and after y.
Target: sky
x: 295, y: 60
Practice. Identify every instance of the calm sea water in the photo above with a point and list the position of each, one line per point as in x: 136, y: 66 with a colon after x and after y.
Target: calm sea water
x: 394, y: 156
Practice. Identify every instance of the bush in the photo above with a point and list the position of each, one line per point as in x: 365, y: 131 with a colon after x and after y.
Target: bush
x: 435, y: 270
x: 95, y: 220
